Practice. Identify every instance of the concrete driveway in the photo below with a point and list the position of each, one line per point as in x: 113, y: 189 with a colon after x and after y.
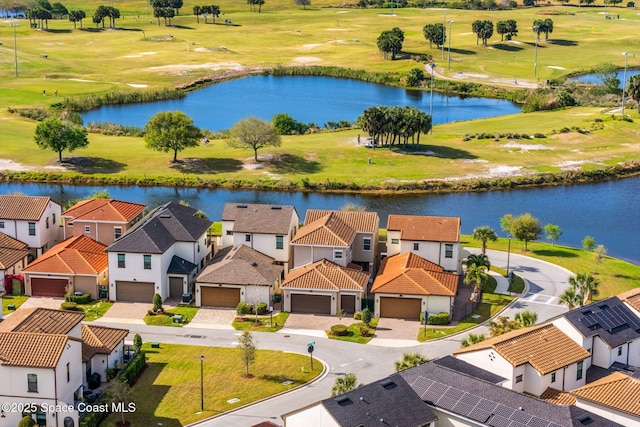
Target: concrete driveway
x: 42, y: 302
x: 213, y: 318
x: 397, y: 329
x: 313, y: 324
x: 127, y: 312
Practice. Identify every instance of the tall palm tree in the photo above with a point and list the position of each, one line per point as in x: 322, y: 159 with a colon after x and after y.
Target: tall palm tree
x: 571, y: 298
x: 409, y: 360
x: 526, y: 318
x: 586, y: 286
x: 478, y: 260
x: 484, y: 234
x: 477, y: 277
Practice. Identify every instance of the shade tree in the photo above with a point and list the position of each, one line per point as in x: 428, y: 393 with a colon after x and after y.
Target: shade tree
x: 483, y: 30
x: 76, y: 16
x: 58, y: 135
x: 435, y: 34
x: 552, y: 232
x: 524, y: 227
x: 171, y: 131
x: 390, y: 42
x: 255, y: 134
x: 508, y: 28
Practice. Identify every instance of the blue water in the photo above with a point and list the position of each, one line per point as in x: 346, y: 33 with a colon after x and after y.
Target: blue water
x: 592, y: 78
x: 607, y: 211
x: 306, y: 99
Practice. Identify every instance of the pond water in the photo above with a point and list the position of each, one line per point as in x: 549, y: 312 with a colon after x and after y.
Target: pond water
x: 592, y: 78
x: 607, y: 211
x: 306, y: 99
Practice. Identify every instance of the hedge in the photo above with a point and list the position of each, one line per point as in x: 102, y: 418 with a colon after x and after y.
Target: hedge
x: 243, y: 308
x: 79, y: 299
x: 93, y: 419
x: 134, y: 368
x: 262, y: 308
x: 70, y: 306
x: 339, y: 330
x: 438, y: 319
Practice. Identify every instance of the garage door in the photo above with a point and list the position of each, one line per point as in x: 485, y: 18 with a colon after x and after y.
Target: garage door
x: 134, y: 291
x: 313, y: 304
x: 46, y: 287
x: 348, y: 303
x: 219, y: 297
x: 400, y: 308
x: 175, y: 286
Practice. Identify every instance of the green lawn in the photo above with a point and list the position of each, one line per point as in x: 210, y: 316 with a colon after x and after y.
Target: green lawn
x: 168, y: 391
x: 491, y: 304
x: 166, y: 318
x: 14, y: 300
x: 95, y: 310
x: 353, y: 333
x: 264, y: 323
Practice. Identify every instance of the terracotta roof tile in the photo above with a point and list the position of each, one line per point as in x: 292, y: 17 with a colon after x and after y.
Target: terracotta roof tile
x: 42, y: 320
x: 241, y: 265
x: 425, y: 228
x: 11, y: 251
x: 108, y: 210
x: 259, y: 218
x: 545, y: 347
x: 411, y: 274
x: 76, y: 255
x: 328, y: 230
x: 365, y: 222
x: 27, y: 208
x: 28, y: 349
x: 558, y: 397
x: 617, y: 391
x: 631, y: 297
x: 326, y: 275
x: 100, y: 340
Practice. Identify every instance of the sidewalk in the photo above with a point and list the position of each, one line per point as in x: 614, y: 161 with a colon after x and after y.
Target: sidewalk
x: 503, y: 283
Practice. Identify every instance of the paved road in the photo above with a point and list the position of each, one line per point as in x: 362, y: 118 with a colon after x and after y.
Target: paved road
x: 369, y: 363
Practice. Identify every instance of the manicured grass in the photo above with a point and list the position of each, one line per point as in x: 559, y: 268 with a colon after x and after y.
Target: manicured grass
x: 353, y: 333
x: 168, y: 391
x: 517, y: 286
x: 14, y: 300
x: 615, y: 275
x: 264, y: 325
x: 490, y: 287
x: 166, y: 318
x: 491, y: 304
x: 216, y: 228
x: 95, y: 310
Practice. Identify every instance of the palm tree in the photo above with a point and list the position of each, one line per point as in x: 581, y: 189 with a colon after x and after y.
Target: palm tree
x: 586, y: 286
x: 476, y: 276
x: 472, y: 339
x: 484, y: 234
x: 344, y: 384
x: 409, y: 360
x: 478, y: 260
x: 526, y: 318
x: 633, y: 88
x: 571, y: 298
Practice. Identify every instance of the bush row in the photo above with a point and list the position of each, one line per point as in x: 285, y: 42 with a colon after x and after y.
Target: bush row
x: 133, y: 370
x: 243, y: 309
x: 438, y: 319
x: 80, y: 299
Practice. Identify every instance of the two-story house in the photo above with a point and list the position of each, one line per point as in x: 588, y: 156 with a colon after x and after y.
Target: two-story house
x: 342, y: 237
x: 434, y: 238
x: 34, y: 220
x: 265, y: 228
x: 14, y: 256
x: 607, y: 329
x: 531, y: 359
x: 161, y: 255
x: 615, y: 397
x: 103, y: 220
x: 102, y: 348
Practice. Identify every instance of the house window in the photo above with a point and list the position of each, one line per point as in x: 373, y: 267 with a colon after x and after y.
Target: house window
x: 46, y: 222
x: 395, y: 241
x: 70, y: 224
x: 553, y: 377
x: 448, y: 250
x: 117, y: 232
x: 229, y: 233
x: 1, y: 224
x: 198, y: 247
x: 279, y: 242
x: 121, y: 261
x: 68, y: 372
x: 87, y: 229
x: 247, y: 237
x: 620, y: 351
x: 337, y: 254
x: 32, y: 229
x: 519, y: 379
x: 53, y: 218
x: 147, y: 262
x: 366, y: 244
x: 416, y: 246
x: 579, y: 372
x: 32, y: 383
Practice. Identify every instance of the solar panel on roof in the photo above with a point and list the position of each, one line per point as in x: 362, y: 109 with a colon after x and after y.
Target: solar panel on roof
x: 521, y: 417
x: 487, y: 405
x: 588, y: 321
x: 446, y: 402
x: 504, y: 411
x: 479, y: 415
x: 470, y: 399
x: 537, y: 422
x: 430, y: 396
x: 462, y: 409
x: 454, y: 393
x: 439, y: 388
x: 499, y: 421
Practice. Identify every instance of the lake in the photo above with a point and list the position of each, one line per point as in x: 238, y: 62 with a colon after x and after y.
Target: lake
x: 607, y: 211
x: 306, y: 99
x: 592, y: 78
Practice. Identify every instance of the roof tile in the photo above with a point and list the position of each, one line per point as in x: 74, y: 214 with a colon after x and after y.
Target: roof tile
x: 558, y: 397
x: 108, y: 210
x: 361, y: 221
x: 76, y: 255
x: 631, y: 297
x: 425, y: 228
x: 326, y: 275
x: 259, y: 218
x: 100, y: 340
x: 42, y: 320
x: 27, y: 208
x: 11, y: 251
x: 328, y: 230
x: 28, y: 349
x: 240, y: 265
x: 617, y: 391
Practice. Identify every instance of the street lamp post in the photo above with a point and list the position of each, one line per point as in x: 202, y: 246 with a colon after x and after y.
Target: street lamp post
x: 450, y: 21
x: 624, y: 79
x: 431, y: 99
x: 202, y: 383
x: 535, y: 58
x: 15, y: 45
x: 508, y: 255
x: 444, y: 32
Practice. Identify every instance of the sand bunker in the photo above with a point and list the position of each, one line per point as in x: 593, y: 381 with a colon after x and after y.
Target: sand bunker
x: 178, y: 69
x: 10, y: 165
x: 306, y: 59
x: 83, y: 80
x: 526, y: 147
x: 132, y: 56
x: 312, y: 45
x: 555, y: 67
x: 136, y: 85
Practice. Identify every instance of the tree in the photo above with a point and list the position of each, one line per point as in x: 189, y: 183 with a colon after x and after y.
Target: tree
x: 608, y: 75
x: 484, y: 234
x: 255, y: 134
x: 571, y: 298
x: 119, y: 392
x: 415, y: 77
x: 472, y: 339
x: 137, y: 343
x: 366, y: 316
x: 526, y: 318
x: 633, y: 88
x: 197, y: 11
x: 553, y: 233
x: 171, y: 131
x: 57, y: 135
x: 477, y: 277
x: 525, y: 228
x: 505, y: 223
x: 287, y: 125
x: 303, y: 3
x: 434, y: 33
x: 157, y: 303
x: 585, y: 286
x: 390, y: 42
x: 101, y: 12
x: 344, y: 384
x: 77, y: 16
x: 502, y: 325
x: 254, y: 3
x: 508, y: 27
x: 26, y: 421
x: 542, y: 26
x: 600, y: 253
x: 247, y: 347
x: 588, y: 243
x: 483, y: 30
x: 214, y: 10
x: 480, y: 260
x: 59, y: 10
x: 409, y: 360
x: 176, y: 5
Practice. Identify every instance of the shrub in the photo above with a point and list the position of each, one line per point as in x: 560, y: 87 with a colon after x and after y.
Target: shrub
x: 111, y: 373
x: 134, y: 368
x: 137, y: 343
x: 261, y: 308
x: 438, y: 319
x: 71, y: 306
x: 157, y: 303
x: 357, y: 315
x: 80, y: 299
x: 365, y: 331
x: 242, y: 309
x: 339, y: 330
x: 540, y: 135
x: 366, y: 316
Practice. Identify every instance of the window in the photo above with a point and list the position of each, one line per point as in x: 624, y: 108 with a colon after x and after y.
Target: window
x: 117, y: 232
x: 579, y: 371
x: 337, y: 254
x: 53, y: 218
x: 416, y: 246
x: 553, y: 377
x: 620, y: 351
x: 121, y: 261
x: 70, y: 224
x: 1, y: 224
x: 68, y: 372
x: 32, y: 383
x: 395, y: 241
x: 366, y: 244
x: 32, y: 229
x: 198, y: 247
x: 46, y: 222
x: 147, y: 262
x: 247, y: 237
x: 229, y: 233
x: 87, y: 229
x: 448, y: 250
x: 279, y: 242
x: 519, y: 379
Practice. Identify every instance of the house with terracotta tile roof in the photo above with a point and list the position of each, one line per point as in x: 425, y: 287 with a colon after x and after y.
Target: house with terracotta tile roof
x: 102, y: 348
x: 265, y: 228
x: 342, y: 237
x: 434, y: 238
x: 78, y: 264
x: 408, y: 285
x: 34, y: 220
x: 104, y: 220
x: 632, y: 299
x: 14, y: 256
x: 324, y: 287
x: 615, y: 397
x: 238, y: 274
x: 531, y: 359
x: 609, y: 329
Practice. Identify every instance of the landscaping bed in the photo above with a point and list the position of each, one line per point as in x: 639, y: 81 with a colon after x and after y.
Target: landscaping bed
x: 356, y: 332
x: 168, y: 317
x: 263, y: 323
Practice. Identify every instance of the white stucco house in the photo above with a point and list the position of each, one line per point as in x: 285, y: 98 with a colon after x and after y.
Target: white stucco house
x: 615, y: 397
